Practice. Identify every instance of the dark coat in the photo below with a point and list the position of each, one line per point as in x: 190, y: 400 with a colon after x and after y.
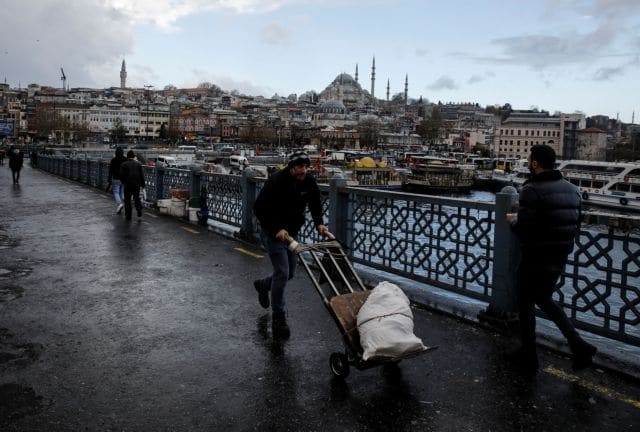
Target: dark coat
x: 131, y: 173
x: 116, y: 163
x: 548, y: 217
x: 282, y: 201
x: 16, y: 159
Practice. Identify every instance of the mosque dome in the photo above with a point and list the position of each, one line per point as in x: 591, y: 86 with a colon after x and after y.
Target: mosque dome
x: 345, y: 78
x: 332, y: 107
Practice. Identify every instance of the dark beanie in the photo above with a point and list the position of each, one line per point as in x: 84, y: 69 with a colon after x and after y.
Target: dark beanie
x: 130, y: 154
x: 298, y: 158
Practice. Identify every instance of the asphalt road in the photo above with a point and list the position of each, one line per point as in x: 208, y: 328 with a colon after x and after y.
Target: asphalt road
x: 154, y: 325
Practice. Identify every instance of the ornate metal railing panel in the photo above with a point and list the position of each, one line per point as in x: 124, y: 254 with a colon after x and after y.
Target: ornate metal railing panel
x: 75, y: 169
x: 601, y: 284
x: 175, y: 179
x: 447, y: 243
x: 84, y: 175
x: 149, y: 182
x: 309, y: 233
x: 224, y: 197
x: 104, y: 174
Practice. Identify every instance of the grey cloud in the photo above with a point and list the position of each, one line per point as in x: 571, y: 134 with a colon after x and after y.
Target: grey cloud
x: 475, y: 79
x: 607, y: 73
x: 275, y: 34
x: 87, y: 38
x: 421, y: 52
x: 443, y: 83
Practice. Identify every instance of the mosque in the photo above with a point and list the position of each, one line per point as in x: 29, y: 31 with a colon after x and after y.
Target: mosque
x: 347, y: 90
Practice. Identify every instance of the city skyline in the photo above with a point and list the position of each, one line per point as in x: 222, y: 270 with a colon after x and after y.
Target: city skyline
x: 563, y: 55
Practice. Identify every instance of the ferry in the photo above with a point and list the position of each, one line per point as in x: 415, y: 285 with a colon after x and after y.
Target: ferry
x: 438, y: 174
x: 608, y: 184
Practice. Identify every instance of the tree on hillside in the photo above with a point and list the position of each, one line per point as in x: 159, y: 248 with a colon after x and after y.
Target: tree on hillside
x: 431, y: 127
x: 369, y: 131
x: 118, y: 132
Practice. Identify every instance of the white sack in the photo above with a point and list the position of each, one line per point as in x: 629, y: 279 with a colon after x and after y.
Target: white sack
x: 385, y: 323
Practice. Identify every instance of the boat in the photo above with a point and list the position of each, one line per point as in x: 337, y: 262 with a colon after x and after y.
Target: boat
x: 606, y: 184
x: 364, y: 172
x: 438, y: 174
x: 611, y: 184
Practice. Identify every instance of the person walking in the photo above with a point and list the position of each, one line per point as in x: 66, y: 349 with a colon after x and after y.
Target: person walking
x: 132, y: 177
x: 16, y: 159
x: 280, y: 208
x: 114, y: 178
x: 546, y: 224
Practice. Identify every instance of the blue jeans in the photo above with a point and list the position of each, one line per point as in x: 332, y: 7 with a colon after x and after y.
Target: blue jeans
x: 283, y: 262
x: 118, y: 191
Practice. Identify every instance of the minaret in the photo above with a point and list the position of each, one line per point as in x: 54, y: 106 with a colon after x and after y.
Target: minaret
x: 388, y: 89
x: 356, y: 72
x: 406, y: 89
x: 123, y: 75
x: 373, y: 78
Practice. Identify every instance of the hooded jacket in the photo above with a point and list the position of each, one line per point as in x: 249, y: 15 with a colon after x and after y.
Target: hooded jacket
x: 131, y: 173
x: 16, y: 159
x: 116, y: 163
x: 282, y: 201
x: 549, y: 216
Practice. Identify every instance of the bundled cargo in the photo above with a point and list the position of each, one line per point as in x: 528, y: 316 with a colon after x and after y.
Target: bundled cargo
x: 385, y: 324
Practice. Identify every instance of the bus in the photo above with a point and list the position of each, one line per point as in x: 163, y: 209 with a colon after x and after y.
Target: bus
x: 187, y: 148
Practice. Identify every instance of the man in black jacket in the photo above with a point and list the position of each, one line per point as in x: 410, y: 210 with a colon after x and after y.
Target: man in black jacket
x: 132, y: 177
x: 280, y: 209
x: 546, y: 224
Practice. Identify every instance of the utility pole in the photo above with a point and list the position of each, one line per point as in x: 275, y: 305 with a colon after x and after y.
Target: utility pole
x: 146, y: 131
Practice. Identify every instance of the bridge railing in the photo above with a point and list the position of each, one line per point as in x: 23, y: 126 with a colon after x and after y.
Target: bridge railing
x: 458, y: 245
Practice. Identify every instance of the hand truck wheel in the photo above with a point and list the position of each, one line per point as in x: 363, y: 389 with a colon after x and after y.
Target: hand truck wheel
x: 339, y: 365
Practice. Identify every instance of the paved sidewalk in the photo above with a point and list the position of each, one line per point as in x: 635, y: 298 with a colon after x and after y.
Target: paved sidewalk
x: 155, y: 325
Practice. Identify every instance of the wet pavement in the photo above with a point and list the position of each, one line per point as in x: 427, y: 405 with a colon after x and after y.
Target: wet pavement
x: 155, y: 325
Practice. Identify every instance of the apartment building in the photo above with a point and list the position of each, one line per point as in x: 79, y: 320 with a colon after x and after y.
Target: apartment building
x: 523, y: 129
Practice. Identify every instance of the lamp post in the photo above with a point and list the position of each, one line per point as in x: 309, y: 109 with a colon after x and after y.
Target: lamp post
x: 146, y: 131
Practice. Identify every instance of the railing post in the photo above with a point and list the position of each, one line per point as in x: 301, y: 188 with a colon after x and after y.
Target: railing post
x: 502, y: 309
x: 338, y: 209
x: 248, y: 184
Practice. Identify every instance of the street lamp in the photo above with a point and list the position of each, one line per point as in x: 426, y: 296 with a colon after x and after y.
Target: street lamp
x: 146, y: 131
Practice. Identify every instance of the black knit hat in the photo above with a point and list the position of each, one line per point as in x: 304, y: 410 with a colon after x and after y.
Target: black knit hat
x: 298, y: 157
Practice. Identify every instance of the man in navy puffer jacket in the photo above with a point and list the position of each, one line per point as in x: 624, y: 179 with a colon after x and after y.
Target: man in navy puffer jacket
x: 546, y: 224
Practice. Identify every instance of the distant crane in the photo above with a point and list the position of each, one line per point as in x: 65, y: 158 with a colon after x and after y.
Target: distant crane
x: 64, y: 79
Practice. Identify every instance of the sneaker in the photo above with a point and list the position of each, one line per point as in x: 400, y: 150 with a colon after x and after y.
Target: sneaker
x: 279, y: 327
x: 583, y: 356
x: 263, y: 294
x: 524, y: 359
x: 119, y: 208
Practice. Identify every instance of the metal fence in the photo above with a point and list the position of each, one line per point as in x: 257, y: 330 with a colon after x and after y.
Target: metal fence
x: 458, y: 245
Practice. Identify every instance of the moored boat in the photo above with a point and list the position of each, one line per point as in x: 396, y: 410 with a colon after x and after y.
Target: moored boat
x: 436, y: 174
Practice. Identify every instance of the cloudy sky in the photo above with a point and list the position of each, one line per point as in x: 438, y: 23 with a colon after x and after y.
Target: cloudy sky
x: 556, y: 55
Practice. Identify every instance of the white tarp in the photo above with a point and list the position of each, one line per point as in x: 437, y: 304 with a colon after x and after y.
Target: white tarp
x: 385, y: 323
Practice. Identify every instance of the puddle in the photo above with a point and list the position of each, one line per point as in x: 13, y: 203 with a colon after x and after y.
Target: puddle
x: 17, y: 401
x: 16, y: 272
x: 11, y: 292
x: 16, y: 354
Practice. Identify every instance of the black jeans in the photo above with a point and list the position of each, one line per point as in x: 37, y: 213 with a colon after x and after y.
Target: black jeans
x: 130, y: 191
x: 537, y: 278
